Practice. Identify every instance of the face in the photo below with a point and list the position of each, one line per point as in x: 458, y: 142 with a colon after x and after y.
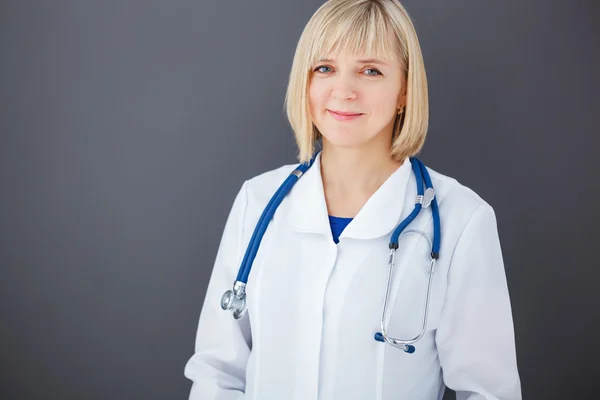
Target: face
x: 355, y: 99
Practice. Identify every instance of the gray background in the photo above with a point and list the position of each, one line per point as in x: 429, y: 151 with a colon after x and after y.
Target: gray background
x: 127, y: 127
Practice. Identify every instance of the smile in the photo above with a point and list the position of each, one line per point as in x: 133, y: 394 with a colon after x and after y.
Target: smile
x: 344, y: 116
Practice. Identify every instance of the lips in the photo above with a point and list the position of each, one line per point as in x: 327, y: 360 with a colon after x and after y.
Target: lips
x: 344, y: 115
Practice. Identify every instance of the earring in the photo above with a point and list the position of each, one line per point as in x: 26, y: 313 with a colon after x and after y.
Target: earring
x: 400, y: 110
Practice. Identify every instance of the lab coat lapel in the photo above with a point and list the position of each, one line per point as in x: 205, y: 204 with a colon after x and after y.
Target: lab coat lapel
x: 308, y: 209
x: 381, y: 213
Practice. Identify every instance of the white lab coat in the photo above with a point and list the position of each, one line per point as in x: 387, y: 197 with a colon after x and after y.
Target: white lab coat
x: 314, y: 306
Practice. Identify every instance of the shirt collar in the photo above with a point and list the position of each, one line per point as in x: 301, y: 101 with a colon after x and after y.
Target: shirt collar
x: 378, y: 217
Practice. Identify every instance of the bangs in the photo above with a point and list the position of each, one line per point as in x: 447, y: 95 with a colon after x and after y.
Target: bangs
x: 360, y: 30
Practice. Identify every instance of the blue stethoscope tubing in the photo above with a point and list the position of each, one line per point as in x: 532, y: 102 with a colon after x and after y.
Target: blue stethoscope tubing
x: 236, y: 299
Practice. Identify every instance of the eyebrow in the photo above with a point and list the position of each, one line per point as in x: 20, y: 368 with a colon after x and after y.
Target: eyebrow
x: 361, y: 61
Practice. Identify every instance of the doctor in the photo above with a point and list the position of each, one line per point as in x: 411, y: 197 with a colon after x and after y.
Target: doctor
x: 317, y: 285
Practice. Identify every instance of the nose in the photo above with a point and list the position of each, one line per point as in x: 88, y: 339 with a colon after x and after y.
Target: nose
x: 344, y: 88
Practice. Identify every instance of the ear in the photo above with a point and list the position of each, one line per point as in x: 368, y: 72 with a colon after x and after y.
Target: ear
x: 402, y: 95
x: 401, y: 99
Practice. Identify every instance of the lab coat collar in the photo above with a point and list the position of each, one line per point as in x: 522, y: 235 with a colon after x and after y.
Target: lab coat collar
x: 378, y: 217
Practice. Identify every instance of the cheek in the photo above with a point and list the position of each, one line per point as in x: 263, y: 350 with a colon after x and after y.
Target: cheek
x: 383, y: 102
x: 315, y: 96
x: 314, y: 105
x: 382, y: 111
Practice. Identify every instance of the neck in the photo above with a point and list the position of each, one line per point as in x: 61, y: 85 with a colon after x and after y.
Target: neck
x: 351, y: 176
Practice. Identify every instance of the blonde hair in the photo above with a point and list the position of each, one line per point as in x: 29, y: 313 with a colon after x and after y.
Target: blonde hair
x: 360, y: 26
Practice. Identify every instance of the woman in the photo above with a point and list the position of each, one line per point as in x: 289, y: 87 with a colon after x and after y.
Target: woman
x: 315, y: 292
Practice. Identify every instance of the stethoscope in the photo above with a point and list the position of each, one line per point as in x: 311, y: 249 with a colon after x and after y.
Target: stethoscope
x: 235, y: 299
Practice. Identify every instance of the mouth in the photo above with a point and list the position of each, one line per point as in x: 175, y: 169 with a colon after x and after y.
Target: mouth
x: 344, y: 115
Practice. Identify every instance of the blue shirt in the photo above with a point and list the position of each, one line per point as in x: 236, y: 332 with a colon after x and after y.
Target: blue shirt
x: 337, y: 226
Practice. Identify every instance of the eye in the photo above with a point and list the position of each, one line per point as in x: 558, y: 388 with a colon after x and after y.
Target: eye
x: 320, y: 67
x: 373, y: 69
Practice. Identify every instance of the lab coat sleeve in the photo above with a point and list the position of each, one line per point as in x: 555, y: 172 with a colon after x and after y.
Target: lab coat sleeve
x: 475, y: 335
x: 218, y: 366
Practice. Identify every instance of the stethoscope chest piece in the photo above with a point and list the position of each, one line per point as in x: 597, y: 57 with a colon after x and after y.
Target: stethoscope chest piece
x: 235, y: 300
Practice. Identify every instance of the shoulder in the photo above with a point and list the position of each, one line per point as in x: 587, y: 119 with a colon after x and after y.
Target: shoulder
x: 458, y: 203
x: 451, y: 190
x: 257, y: 191
x: 260, y: 188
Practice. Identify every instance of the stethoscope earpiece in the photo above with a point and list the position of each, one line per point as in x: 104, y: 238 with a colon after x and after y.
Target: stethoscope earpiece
x: 407, y: 347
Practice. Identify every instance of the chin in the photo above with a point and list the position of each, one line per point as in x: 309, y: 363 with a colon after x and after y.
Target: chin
x: 345, y: 139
